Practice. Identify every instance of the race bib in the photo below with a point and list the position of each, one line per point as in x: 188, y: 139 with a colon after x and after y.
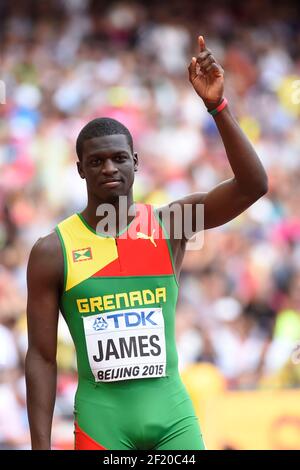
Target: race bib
x: 126, y: 344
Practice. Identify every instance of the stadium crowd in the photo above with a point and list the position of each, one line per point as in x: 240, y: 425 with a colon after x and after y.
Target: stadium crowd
x: 64, y: 62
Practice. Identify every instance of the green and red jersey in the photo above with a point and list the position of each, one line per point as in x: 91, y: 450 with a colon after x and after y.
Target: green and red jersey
x: 119, y: 303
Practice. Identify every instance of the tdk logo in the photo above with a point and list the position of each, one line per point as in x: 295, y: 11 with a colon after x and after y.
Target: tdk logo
x: 100, y: 324
x: 132, y: 319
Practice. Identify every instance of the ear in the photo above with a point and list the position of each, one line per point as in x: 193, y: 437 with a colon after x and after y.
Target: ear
x: 135, y: 161
x: 80, y: 170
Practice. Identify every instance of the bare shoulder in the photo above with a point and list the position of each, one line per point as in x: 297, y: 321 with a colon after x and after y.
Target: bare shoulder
x: 47, y: 246
x: 46, y: 259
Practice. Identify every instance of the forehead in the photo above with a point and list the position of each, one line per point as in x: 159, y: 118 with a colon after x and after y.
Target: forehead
x: 104, y: 144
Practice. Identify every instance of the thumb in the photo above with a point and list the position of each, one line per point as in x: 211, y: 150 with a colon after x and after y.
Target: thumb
x: 192, y: 69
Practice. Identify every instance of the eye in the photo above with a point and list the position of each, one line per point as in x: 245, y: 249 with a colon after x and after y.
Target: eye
x: 94, y: 161
x: 121, y: 158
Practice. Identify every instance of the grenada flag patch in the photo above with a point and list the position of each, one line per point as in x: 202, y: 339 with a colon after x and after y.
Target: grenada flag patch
x: 83, y: 254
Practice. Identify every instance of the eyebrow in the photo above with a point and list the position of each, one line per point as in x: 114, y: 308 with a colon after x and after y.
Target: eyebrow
x: 102, y: 154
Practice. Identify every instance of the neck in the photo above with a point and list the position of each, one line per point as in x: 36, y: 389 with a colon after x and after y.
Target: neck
x: 114, y: 214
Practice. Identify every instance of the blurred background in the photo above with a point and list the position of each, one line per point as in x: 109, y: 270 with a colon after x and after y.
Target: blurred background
x: 64, y: 62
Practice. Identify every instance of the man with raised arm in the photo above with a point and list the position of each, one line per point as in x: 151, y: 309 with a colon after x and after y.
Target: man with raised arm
x: 117, y: 288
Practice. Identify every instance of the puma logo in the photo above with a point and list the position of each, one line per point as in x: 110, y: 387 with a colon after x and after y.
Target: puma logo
x: 146, y: 237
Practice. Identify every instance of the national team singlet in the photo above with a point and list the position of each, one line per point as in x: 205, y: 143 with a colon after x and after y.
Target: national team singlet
x: 119, y: 302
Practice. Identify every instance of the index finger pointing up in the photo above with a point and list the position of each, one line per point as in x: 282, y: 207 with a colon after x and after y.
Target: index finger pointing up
x: 201, y: 43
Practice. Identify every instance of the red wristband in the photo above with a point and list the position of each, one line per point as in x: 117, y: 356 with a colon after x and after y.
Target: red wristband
x: 221, y: 106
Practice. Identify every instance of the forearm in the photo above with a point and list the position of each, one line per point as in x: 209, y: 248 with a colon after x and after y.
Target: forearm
x: 246, y: 166
x: 41, y: 392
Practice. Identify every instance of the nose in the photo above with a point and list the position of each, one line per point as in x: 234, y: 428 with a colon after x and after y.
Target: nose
x: 108, y: 167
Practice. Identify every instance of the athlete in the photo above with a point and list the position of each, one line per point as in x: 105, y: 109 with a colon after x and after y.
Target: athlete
x: 117, y: 289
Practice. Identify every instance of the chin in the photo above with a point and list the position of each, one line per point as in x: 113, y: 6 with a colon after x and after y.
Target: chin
x: 111, y: 195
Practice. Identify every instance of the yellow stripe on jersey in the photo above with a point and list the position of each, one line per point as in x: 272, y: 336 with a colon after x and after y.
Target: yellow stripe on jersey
x: 80, y: 244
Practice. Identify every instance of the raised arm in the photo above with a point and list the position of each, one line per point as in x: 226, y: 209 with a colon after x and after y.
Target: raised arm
x: 249, y: 182
x: 44, y: 279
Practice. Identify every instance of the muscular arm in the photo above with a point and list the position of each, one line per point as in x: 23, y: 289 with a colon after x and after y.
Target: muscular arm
x: 232, y: 197
x: 249, y: 182
x: 44, y: 278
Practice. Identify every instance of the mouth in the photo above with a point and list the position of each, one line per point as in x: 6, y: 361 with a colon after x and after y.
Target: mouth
x: 111, y: 183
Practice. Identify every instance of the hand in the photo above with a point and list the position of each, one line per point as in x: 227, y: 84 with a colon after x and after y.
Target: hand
x: 207, y: 76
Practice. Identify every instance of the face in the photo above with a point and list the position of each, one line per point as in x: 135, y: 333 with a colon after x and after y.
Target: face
x: 108, y: 166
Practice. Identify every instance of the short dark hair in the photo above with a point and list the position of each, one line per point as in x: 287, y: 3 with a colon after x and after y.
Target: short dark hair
x: 100, y: 127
